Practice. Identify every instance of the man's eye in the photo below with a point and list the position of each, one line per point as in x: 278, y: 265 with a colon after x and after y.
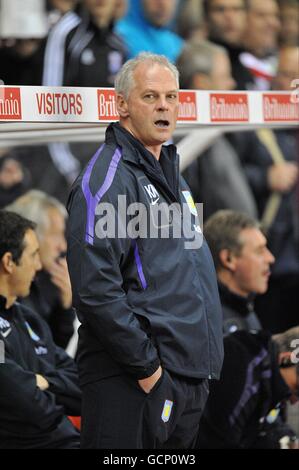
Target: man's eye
x: 173, y: 96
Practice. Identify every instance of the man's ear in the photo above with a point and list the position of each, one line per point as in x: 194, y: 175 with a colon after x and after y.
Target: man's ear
x: 122, y: 106
x: 7, y: 263
x: 227, y: 260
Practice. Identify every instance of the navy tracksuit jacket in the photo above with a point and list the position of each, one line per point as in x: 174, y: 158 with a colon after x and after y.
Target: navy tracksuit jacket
x: 142, y: 301
x: 29, y: 417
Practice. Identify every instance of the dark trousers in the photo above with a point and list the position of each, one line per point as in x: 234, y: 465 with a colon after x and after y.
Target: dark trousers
x: 118, y: 414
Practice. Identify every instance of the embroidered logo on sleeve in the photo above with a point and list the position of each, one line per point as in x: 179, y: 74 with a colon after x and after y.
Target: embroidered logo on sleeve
x: 40, y: 349
x: 190, y: 202
x: 31, y: 332
x: 167, y: 410
x: 273, y: 415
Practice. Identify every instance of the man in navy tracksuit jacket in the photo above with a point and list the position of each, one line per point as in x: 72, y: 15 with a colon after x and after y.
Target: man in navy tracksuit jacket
x: 151, y: 333
x: 32, y: 418
x: 39, y: 383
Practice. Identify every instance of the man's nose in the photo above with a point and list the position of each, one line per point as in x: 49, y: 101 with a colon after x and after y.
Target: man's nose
x: 38, y: 264
x: 270, y: 257
x: 162, y: 103
x: 62, y: 244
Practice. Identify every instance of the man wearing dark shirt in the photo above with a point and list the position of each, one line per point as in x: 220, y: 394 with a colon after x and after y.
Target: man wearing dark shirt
x: 38, y: 381
x: 225, y: 23
x: 259, y: 374
x: 50, y: 293
x: 242, y: 261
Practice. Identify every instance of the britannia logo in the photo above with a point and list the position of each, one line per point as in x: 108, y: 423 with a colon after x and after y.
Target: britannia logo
x: 280, y: 107
x: 107, y: 105
x: 229, y: 107
x: 10, y: 104
x: 187, y: 106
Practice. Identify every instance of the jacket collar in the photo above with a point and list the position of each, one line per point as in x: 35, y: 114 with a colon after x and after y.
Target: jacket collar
x: 133, y: 150
x: 164, y: 172
x: 243, y: 305
x: 6, y: 313
x: 2, y: 302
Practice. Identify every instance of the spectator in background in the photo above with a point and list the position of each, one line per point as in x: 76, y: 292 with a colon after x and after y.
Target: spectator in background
x: 242, y: 262
x: 216, y: 177
x: 288, y: 68
x: 120, y: 9
x: 225, y: 22
x: 260, y: 40
x: 58, y: 8
x: 145, y: 28
x: 23, y: 25
x: 289, y: 18
x: 62, y: 6
x: 257, y: 377
x: 84, y: 52
x: 39, y: 384
x: 81, y: 51
x: 14, y: 178
x: 190, y: 20
x: 51, y: 293
x: 271, y: 166
x: 269, y: 159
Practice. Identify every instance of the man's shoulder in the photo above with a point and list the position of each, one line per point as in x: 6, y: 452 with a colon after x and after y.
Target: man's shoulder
x: 107, y: 174
x: 31, y: 321
x: 27, y: 314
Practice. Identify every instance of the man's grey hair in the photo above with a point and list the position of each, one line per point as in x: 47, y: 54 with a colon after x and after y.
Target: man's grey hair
x: 124, y: 81
x: 34, y: 206
x: 222, y: 231
x: 197, y: 57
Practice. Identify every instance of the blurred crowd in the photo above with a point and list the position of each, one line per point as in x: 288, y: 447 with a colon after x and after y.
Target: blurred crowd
x: 216, y: 45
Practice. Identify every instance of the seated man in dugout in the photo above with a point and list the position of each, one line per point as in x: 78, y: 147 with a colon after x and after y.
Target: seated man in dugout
x: 50, y: 293
x: 38, y: 380
x: 243, y: 265
x: 260, y: 373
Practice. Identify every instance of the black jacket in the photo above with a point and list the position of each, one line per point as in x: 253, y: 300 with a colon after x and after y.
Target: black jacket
x: 241, y: 74
x: 142, y: 301
x: 78, y: 53
x: 29, y: 417
x: 99, y: 58
x: 44, y: 298
x: 244, y: 403
x: 238, y: 311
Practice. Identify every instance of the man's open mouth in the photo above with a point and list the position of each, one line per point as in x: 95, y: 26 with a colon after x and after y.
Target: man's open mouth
x: 162, y: 123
